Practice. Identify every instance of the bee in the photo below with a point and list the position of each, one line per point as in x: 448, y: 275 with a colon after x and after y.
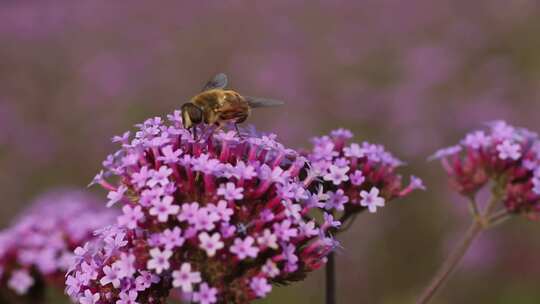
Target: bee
x: 216, y: 105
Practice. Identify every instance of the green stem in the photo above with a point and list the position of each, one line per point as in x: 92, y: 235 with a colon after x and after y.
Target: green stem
x: 498, y: 218
x: 331, y: 279
x: 480, y: 223
x: 451, y: 262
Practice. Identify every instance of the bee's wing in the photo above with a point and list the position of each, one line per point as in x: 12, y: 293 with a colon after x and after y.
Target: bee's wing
x: 258, y: 102
x: 218, y: 82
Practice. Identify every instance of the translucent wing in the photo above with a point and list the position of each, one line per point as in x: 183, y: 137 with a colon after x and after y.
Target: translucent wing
x: 258, y: 102
x: 218, y: 82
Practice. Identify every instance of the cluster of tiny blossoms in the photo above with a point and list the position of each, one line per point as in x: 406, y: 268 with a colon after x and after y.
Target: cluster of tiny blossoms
x: 218, y: 219
x: 355, y: 177
x: 506, y: 155
x: 38, y: 248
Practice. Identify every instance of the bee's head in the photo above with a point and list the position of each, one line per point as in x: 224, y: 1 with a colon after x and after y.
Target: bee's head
x: 191, y: 115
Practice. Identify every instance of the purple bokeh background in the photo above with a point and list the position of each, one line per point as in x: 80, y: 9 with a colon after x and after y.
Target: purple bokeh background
x: 412, y: 75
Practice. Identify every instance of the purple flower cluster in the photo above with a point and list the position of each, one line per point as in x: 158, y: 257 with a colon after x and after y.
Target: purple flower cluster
x: 218, y: 219
x: 39, y: 247
x: 356, y: 177
x: 506, y: 155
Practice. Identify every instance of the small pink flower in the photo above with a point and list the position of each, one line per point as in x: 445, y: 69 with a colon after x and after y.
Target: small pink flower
x: 221, y: 210
x: 357, y: 178
x: 260, y: 287
x: 163, y: 208
x: 371, y: 200
x: 270, y: 269
x: 268, y: 239
x: 112, y: 276
x: 20, y: 281
x: 244, y: 248
x: 284, y: 231
x: 160, y: 177
x: 172, y: 238
x: 337, y: 175
x: 131, y: 216
x: 116, y: 196
x: 509, y: 150
x: 210, y: 244
x: 230, y: 192
x: 128, y: 297
x: 205, y: 295
x: 354, y: 150
x: 170, y: 156
x: 330, y: 222
x: 159, y: 260
x: 185, y: 278
x: 125, y: 266
x: 204, y: 220
x: 336, y: 200
x: 145, y: 280
x: 89, y: 297
x: 188, y: 212
x: 477, y: 140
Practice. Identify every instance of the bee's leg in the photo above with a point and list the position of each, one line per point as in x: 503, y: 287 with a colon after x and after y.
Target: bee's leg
x: 217, y: 127
x: 240, y: 120
x: 194, y: 127
x: 211, y: 130
x: 238, y: 131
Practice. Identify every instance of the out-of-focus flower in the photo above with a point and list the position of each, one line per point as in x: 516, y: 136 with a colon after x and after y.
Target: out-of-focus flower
x: 220, y: 218
x: 20, y: 281
x: 38, y: 248
x: 508, y: 156
x: 355, y: 177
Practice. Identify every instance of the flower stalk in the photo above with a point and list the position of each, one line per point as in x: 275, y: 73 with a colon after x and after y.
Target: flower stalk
x: 37, y: 250
x: 451, y: 262
x: 505, y: 155
x: 331, y: 279
x: 481, y: 221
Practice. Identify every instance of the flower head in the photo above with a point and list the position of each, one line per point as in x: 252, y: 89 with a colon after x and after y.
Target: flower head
x: 197, y: 211
x: 506, y: 155
x: 356, y: 177
x: 20, y: 281
x: 39, y: 246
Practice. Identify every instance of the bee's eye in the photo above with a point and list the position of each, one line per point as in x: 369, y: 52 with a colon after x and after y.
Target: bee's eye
x: 191, y: 115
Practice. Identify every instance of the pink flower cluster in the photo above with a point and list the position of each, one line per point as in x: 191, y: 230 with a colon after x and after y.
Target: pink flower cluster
x: 39, y: 247
x: 219, y: 219
x: 505, y: 155
x: 356, y: 177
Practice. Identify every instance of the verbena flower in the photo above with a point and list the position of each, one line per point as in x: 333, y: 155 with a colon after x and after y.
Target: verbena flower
x: 355, y: 177
x: 37, y: 250
x: 219, y: 219
x: 504, y: 154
